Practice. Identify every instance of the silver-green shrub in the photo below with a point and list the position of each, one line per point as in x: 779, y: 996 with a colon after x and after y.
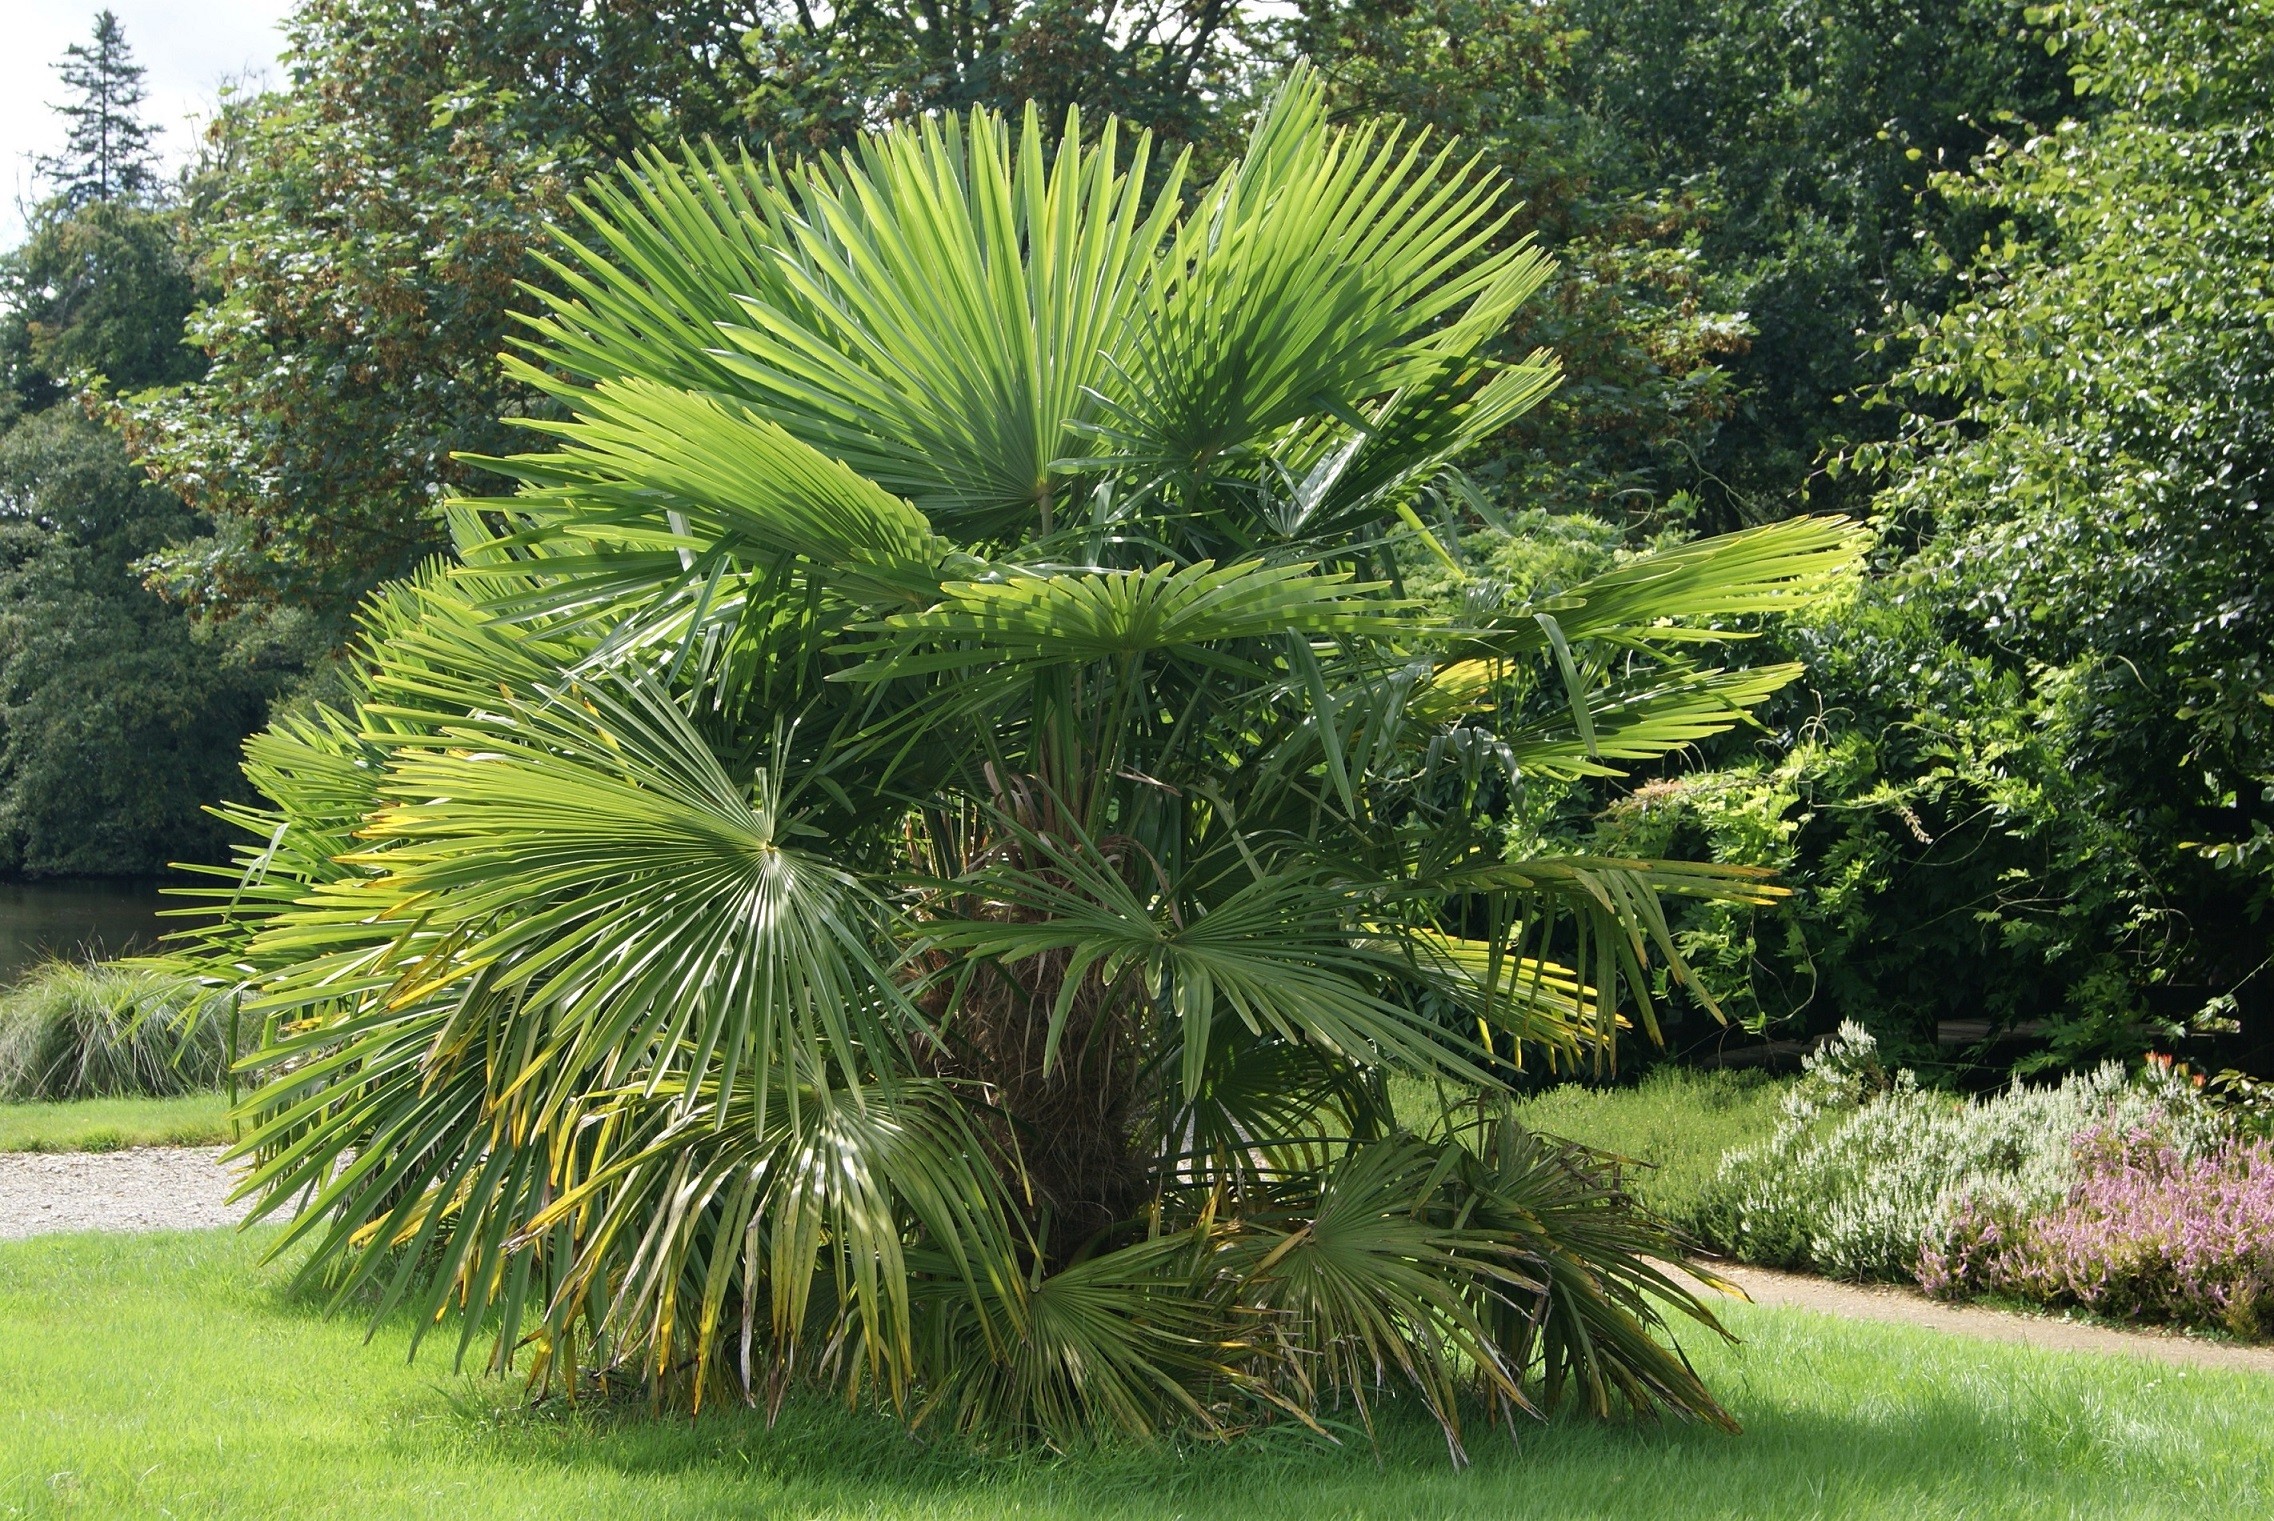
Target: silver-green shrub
x: 1866, y: 1166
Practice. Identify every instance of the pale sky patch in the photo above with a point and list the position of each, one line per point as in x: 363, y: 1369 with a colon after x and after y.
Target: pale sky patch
x: 187, y: 48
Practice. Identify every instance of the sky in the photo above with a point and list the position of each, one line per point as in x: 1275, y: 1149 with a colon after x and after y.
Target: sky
x: 187, y: 49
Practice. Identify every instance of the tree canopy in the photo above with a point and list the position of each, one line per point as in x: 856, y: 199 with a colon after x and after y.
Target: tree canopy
x: 119, y: 720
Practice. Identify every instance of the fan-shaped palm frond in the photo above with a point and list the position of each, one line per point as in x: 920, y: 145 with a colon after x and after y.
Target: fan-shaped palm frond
x: 937, y: 311
x: 906, y: 857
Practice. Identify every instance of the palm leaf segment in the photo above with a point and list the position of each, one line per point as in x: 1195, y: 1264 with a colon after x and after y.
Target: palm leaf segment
x: 907, y: 854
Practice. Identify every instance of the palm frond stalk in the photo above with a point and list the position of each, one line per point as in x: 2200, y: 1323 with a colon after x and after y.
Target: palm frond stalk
x: 906, y: 856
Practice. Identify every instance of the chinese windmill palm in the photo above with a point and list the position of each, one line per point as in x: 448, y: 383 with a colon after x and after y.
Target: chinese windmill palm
x: 906, y: 854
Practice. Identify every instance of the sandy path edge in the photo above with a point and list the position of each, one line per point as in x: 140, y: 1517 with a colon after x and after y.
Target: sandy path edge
x: 148, y: 1188
x: 1899, y: 1304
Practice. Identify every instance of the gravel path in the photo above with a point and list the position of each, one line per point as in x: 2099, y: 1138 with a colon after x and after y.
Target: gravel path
x: 187, y: 1188
x: 1908, y: 1307
x: 154, y: 1188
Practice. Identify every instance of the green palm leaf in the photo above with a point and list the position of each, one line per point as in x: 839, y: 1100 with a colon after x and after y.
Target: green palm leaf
x: 1120, y: 615
x: 1314, y: 277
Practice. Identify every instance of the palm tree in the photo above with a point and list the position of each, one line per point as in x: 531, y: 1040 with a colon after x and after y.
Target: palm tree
x: 924, y: 851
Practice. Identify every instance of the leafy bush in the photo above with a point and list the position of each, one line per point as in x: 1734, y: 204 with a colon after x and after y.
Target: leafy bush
x: 2025, y: 780
x: 1866, y: 1167
x: 70, y: 1030
x: 2149, y: 1231
x: 969, y: 970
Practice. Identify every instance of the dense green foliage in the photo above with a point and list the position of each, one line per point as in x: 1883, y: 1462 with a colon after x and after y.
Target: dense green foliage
x: 824, y: 74
x: 364, y: 241
x: 1734, y: 196
x: 1811, y: 138
x: 118, y: 719
x: 176, y: 1373
x: 121, y: 719
x: 2028, y: 781
x: 2092, y: 467
x: 102, y: 289
x: 1740, y: 195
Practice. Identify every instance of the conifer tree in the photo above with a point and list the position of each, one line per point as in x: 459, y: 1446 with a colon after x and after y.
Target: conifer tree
x: 107, y: 156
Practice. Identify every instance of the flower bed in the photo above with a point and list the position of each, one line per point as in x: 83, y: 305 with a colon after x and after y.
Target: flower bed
x: 2148, y: 1232
x: 2131, y: 1195
x: 1865, y: 1166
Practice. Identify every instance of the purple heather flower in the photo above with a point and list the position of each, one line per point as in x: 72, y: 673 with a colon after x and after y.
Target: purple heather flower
x: 2147, y: 1233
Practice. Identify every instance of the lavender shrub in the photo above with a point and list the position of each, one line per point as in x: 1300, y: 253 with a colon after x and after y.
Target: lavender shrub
x: 1866, y: 1167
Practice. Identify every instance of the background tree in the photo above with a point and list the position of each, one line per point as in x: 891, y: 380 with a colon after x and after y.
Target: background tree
x: 98, y: 289
x: 363, y: 234
x: 1811, y: 137
x: 106, y: 155
x: 119, y: 721
x: 828, y: 72
x: 2028, y: 782
x: 2090, y: 457
x: 1736, y: 199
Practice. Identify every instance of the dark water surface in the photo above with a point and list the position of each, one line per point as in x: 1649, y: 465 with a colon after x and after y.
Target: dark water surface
x: 91, y: 916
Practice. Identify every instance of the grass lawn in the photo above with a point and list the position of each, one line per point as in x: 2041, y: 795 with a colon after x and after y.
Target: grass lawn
x: 108, y: 1124
x: 1678, y: 1120
x: 169, y: 1376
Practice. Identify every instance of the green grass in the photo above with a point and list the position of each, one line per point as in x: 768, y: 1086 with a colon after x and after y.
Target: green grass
x: 110, y: 1124
x: 1680, y: 1121
x: 170, y: 1376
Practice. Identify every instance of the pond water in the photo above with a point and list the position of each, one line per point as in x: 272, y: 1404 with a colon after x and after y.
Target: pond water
x: 88, y: 917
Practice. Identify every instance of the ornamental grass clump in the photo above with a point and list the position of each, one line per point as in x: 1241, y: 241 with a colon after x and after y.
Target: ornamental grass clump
x: 72, y: 1030
x: 2150, y: 1231
x: 1866, y: 1167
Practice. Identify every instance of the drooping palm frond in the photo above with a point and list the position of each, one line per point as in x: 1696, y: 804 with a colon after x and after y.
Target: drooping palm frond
x: 1128, y: 1341
x: 907, y: 857
x: 1519, y: 1002
x: 1363, y: 1277
x: 1073, y: 619
x: 702, y: 1207
x: 1670, y: 596
x: 1591, y: 1318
